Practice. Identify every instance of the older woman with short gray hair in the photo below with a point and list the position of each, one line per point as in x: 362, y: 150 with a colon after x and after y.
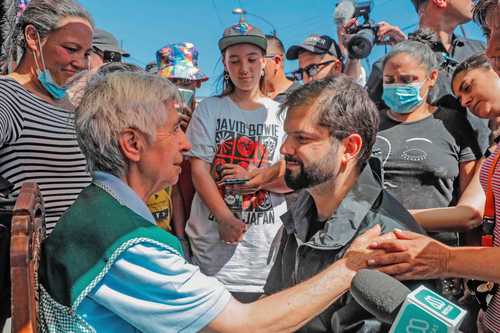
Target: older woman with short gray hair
x: 104, y: 113
x: 128, y: 128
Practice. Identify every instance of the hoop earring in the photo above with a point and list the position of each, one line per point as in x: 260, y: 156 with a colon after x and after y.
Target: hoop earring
x: 226, y: 76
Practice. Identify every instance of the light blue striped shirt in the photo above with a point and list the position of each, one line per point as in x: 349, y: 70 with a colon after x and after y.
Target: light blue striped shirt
x: 151, y: 287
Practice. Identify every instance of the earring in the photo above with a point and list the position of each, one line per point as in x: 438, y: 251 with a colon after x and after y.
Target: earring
x: 226, y: 76
x: 263, y: 73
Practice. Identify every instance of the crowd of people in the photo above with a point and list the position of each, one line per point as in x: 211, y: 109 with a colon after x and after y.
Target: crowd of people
x: 253, y: 209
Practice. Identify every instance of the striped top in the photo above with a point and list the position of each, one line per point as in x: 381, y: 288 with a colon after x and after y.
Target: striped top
x: 492, y: 318
x: 38, y: 143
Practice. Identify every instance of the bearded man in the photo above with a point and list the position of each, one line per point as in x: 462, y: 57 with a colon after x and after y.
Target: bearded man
x: 331, y: 125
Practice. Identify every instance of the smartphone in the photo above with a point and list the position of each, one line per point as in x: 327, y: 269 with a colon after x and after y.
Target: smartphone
x: 233, y: 181
x: 186, y: 96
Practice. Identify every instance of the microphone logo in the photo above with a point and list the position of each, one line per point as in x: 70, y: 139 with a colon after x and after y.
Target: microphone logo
x: 424, y: 311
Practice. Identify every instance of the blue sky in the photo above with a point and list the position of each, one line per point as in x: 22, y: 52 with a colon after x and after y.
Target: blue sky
x: 144, y: 26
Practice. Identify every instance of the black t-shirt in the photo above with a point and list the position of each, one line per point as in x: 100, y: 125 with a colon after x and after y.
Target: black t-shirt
x: 441, y: 94
x: 421, y: 159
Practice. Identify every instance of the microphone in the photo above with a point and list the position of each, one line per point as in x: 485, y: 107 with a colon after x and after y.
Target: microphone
x: 390, y: 301
x: 344, y: 11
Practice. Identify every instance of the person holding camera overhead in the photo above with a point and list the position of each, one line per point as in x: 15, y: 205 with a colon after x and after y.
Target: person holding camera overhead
x: 232, y: 230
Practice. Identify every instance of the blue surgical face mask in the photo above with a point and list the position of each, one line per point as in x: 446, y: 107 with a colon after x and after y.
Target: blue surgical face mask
x: 46, y: 80
x: 402, y: 98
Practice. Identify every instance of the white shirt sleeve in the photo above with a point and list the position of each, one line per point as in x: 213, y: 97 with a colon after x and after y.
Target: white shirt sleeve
x: 156, y: 290
x: 201, y: 131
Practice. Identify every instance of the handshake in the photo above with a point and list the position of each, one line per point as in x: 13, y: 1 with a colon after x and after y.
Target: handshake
x: 406, y: 256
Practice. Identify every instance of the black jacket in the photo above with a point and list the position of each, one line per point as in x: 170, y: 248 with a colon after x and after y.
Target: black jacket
x: 365, y: 205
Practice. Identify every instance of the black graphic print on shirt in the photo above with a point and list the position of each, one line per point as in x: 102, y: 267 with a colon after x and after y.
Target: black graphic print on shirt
x: 249, y: 146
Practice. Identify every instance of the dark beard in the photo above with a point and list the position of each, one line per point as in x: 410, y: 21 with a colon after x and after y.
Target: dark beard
x: 309, y: 176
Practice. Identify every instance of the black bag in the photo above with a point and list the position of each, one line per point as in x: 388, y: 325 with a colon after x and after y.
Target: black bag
x: 6, y: 206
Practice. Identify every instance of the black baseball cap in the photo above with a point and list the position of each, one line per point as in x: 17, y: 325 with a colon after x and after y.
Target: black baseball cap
x: 319, y: 44
x: 105, y: 41
x: 243, y: 33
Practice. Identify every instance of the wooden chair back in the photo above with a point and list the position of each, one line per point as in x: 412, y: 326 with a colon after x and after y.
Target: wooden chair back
x: 28, y: 232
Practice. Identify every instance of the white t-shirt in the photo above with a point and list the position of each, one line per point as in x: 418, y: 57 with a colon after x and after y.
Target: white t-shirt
x: 221, y: 132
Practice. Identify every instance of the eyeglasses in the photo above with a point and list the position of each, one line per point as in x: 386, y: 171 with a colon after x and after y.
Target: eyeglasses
x: 311, y: 70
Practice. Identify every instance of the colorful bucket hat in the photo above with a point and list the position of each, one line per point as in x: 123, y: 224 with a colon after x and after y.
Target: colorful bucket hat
x: 179, y: 61
x: 242, y: 33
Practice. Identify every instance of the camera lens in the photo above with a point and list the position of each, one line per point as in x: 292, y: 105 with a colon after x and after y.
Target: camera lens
x: 360, y: 45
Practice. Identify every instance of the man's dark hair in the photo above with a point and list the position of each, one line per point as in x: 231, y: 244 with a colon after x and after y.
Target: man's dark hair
x: 342, y: 106
x: 274, y: 42
x: 481, y: 9
x: 426, y: 36
x: 473, y: 62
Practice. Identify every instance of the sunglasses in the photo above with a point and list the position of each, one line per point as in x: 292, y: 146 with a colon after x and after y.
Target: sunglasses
x: 108, y: 56
x: 311, y: 70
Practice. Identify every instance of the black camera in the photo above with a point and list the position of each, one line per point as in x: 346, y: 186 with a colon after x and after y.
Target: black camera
x: 364, y: 36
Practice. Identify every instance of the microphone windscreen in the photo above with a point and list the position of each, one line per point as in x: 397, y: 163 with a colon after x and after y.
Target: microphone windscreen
x: 379, y: 294
x: 344, y: 11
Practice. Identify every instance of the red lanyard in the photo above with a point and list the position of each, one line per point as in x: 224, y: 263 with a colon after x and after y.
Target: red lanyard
x: 489, y: 206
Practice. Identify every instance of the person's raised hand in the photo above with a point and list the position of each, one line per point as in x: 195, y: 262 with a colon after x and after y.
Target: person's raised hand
x: 389, y: 34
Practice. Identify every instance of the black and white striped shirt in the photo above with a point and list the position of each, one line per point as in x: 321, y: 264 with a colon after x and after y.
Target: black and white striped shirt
x: 38, y: 143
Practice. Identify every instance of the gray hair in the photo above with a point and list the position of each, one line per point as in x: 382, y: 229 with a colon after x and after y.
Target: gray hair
x: 44, y: 15
x: 78, y: 82
x: 417, y: 50
x: 112, y: 103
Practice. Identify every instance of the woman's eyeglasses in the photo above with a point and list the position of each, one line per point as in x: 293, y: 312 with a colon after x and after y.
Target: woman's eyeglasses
x: 311, y: 70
